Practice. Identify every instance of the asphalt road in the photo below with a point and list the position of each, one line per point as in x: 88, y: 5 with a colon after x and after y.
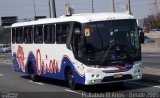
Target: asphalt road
x: 23, y: 87
x: 151, y: 60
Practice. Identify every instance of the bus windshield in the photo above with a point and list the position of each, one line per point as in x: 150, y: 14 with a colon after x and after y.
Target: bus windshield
x: 112, y: 40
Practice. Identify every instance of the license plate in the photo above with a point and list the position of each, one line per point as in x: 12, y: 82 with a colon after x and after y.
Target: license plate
x: 118, y: 76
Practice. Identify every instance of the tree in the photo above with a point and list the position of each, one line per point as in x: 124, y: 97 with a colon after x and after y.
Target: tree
x: 152, y: 21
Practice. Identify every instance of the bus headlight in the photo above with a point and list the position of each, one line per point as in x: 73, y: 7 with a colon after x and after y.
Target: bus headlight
x: 135, y: 72
x: 92, y: 75
x: 138, y: 76
x: 92, y: 81
x: 97, y: 76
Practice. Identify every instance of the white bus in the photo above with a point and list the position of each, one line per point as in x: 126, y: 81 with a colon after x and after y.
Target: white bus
x: 91, y: 48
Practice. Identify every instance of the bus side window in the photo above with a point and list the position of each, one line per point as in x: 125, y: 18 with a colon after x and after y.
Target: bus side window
x: 13, y: 35
x: 28, y: 35
x: 58, y: 33
x: 53, y: 33
x: 62, y: 33
x: 19, y: 35
x: 25, y: 35
x: 48, y: 34
x: 38, y: 34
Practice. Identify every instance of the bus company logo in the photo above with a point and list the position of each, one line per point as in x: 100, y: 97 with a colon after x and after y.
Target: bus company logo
x: 51, y: 66
x: 20, y: 58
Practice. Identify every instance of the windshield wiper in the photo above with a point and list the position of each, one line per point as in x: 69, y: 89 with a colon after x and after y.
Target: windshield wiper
x: 112, y: 43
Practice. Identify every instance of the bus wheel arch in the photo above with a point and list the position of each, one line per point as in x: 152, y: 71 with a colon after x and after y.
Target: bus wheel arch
x: 31, y: 72
x: 69, y: 77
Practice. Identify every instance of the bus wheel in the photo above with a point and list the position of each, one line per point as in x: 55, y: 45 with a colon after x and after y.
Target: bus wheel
x: 71, y: 81
x: 32, y: 76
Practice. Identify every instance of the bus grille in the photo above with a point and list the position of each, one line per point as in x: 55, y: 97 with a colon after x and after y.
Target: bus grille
x: 111, y: 78
x: 115, y: 71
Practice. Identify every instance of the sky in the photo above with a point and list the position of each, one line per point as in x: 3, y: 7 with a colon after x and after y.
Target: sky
x: 25, y: 8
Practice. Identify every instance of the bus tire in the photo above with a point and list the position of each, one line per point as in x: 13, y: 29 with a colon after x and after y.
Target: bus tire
x: 33, y: 77
x: 71, y: 80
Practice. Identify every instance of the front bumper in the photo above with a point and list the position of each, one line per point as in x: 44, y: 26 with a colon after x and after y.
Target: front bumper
x: 98, y: 76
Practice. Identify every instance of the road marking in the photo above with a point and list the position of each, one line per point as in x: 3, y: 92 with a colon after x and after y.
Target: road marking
x: 36, y: 82
x: 146, y: 84
x: 1, y: 75
x: 5, y: 62
x: 72, y: 91
x: 153, y: 55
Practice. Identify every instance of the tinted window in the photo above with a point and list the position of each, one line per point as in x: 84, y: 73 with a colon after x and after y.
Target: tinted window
x: 28, y: 35
x: 19, y: 35
x: 38, y: 34
x: 99, y: 35
x: 49, y: 33
x: 62, y: 31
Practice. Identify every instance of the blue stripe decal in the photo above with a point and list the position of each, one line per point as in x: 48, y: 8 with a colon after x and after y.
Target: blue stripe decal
x: 57, y: 75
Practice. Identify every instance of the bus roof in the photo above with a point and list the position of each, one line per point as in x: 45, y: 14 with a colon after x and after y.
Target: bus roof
x: 82, y: 18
